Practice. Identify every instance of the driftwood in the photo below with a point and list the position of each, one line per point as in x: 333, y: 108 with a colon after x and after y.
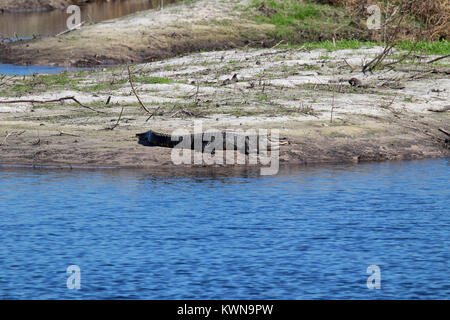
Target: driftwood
x: 50, y: 101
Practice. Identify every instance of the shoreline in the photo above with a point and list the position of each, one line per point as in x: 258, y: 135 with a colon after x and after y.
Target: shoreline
x: 175, y: 169
x: 305, y: 94
x: 291, y: 90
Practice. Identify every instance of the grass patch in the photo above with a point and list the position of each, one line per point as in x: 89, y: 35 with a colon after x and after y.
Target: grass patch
x: 152, y: 80
x: 340, y: 45
x: 299, y: 21
x: 423, y: 47
x: 426, y: 47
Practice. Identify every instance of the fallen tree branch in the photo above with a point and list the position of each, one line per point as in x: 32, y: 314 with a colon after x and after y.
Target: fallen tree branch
x: 350, y: 66
x: 50, y: 101
x: 444, y: 131
x: 8, y: 134
x: 130, y: 79
x: 371, y: 65
x: 435, y: 71
x: 117, y: 123
x: 77, y: 27
x: 440, y: 58
x: 62, y: 133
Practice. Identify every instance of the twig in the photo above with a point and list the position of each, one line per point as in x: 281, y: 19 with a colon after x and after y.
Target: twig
x: 62, y: 133
x: 52, y: 100
x: 117, y: 123
x: 444, y: 131
x: 130, y: 79
x: 377, y: 60
x: 390, y: 43
x: 348, y: 64
x: 405, y: 56
x: 440, y: 58
x: 277, y: 44
x: 183, y: 111
x: 8, y: 134
x: 78, y: 26
x: 332, y: 107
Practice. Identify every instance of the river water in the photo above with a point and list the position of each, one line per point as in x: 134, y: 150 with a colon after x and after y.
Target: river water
x: 307, y: 233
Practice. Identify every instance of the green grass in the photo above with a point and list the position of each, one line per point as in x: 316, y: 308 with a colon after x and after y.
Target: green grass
x: 31, y: 84
x: 339, y: 45
x: 426, y: 47
x: 314, y: 25
x: 298, y: 21
x: 152, y: 80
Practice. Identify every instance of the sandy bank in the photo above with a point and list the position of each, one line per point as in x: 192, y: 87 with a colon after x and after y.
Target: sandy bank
x: 292, y: 90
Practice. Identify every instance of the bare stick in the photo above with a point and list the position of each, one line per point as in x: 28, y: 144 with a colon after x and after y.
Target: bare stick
x: 50, y: 101
x: 440, y: 58
x: 444, y: 131
x: 8, y: 134
x: 118, y: 120
x: 154, y: 112
x: 78, y: 26
x: 130, y: 79
x: 348, y: 64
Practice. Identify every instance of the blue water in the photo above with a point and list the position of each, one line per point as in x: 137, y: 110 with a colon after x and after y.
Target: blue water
x: 11, y: 69
x: 306, y: 233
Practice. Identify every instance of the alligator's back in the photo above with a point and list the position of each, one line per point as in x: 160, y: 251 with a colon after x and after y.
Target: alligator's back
x: 201, y: 141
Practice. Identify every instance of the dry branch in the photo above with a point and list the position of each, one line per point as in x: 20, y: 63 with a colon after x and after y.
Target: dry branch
x: 440, y: 58
x: 8, y: 134
x: 77, y: 27
x: 444, y: 131
x: 130, y: 79
x: 50, y: 101
x: 117, y: 123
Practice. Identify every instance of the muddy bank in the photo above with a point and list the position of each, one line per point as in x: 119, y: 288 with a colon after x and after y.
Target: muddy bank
x: 118, y: 149
x: 304, y: 94
x: 145, y: 36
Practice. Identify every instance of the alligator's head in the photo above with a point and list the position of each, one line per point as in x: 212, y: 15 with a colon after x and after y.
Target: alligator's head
x: 145, y: 138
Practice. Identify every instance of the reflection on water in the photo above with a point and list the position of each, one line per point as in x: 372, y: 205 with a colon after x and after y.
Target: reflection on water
x: 306, y: 233
x: 52, y: 22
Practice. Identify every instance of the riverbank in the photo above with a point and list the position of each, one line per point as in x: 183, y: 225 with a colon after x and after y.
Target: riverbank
x: 305, y: 94
x: 205, y: 25
x: 183, y: 27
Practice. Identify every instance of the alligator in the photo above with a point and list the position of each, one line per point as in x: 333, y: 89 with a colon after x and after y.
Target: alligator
x: 231, y: 140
